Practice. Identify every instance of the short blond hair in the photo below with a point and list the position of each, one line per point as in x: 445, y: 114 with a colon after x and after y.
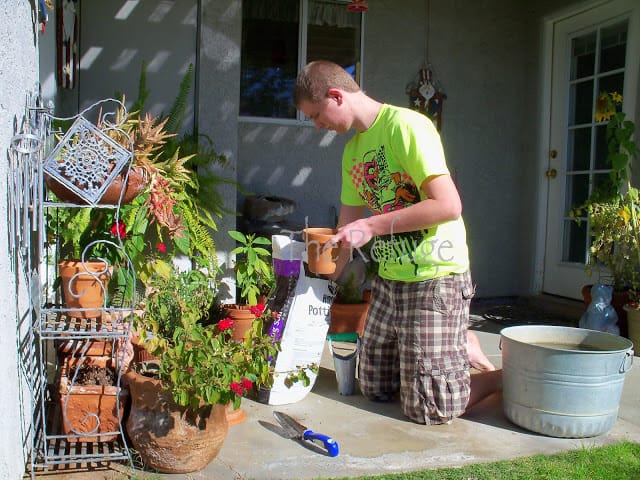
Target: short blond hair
x: 317, y: 77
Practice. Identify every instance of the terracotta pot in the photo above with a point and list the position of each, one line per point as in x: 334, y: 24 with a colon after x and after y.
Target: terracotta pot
x: 315, y: 239
x: 234, y: 416
x: 136, y: 183
x: 242, y: 320
x: 93, y: 410
x: 141, y: 354
x: 618, y: 301
x: 348, y: 318
x: 170, y: 438
x: 121, y: 348
x: 84, y: 285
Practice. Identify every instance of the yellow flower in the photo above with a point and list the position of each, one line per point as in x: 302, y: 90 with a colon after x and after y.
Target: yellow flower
x: 616, y: 97
x: 605, y: 108
x: 625, y: 214
x: 604, y: 116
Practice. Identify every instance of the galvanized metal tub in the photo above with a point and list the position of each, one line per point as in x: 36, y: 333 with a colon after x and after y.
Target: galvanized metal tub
x: 563, y: 381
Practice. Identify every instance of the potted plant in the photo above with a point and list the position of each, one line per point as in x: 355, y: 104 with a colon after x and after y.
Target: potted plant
x: 167, y: 219
x: 254, y: 279
x: 350, y: 307
x: 90, y: 398
x: 351, y: 304
x: 613, y: 211
x: 200, y: 370
x: 173, y: 215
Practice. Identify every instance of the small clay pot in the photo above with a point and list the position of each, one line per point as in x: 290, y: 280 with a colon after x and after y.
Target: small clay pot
x: 242, y: 320
x: 319, y: 261
x: 84, y: 285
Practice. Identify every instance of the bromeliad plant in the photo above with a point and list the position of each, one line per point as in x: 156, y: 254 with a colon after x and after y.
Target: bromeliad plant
x: 614, y: 212
x: 201, y: 364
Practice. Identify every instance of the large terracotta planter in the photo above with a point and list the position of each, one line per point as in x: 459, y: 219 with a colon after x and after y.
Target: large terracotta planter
x: 318, y: 261
x: 84, y: 285
x: 94, y: 410
x: 170, y: 438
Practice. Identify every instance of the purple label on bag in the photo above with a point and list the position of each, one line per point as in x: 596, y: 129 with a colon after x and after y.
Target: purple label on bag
x: 286, y: 268
x: 275, y: 330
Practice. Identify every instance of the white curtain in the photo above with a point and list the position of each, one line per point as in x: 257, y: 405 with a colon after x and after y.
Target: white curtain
x: 321, y: 12
x: 332, y: 14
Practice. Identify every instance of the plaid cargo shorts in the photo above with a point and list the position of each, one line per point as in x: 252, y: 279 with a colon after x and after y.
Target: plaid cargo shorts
x: 415, y: 342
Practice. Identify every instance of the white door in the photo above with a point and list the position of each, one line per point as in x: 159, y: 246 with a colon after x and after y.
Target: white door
x: 593, y: 51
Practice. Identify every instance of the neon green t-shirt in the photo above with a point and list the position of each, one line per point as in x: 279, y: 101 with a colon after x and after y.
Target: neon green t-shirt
x: 383, y: 168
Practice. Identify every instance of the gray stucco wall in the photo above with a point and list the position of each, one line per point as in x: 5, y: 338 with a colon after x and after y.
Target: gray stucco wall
x: 18, y: 74
x: 218, y: 95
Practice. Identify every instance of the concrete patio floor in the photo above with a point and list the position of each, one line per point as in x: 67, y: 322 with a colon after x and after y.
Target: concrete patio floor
x: 376, y: 438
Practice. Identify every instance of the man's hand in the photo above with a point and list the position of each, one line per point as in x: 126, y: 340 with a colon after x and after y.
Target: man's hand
x: 353, y: 235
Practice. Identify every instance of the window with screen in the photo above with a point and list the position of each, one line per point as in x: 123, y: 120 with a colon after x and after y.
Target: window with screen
x: 280, y: 36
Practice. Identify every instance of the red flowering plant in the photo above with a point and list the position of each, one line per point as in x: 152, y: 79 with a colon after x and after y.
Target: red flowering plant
x: 199, y: 362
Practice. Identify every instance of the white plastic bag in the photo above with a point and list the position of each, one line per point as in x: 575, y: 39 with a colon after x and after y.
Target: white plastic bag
x: 303, y: 302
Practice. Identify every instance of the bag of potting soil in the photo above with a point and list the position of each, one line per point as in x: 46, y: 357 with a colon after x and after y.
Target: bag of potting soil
x: 301, y: 301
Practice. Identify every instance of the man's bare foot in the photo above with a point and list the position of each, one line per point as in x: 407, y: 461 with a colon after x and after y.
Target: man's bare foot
x: 477, y: 358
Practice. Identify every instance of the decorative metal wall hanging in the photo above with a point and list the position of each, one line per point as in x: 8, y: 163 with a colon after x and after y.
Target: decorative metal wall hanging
x: 86, y: 161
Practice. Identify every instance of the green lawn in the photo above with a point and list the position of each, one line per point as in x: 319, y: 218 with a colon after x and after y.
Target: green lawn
x: 620, y: 461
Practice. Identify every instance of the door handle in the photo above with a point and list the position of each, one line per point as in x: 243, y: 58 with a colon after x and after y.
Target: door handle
x: 551, y: 173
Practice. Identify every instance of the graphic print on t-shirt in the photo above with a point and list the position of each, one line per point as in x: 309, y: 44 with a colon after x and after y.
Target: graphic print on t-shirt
x: 382, y: 190
x: 385, y: 191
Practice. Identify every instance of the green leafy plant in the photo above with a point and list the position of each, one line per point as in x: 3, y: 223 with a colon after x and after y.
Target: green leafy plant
x: 613, y: 211
x: 254, y: 272
x: 199, y: 363
x: 301, y: 374
x: 350, y: 291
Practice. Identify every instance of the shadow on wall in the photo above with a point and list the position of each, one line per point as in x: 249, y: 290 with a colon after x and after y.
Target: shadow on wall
x: 296, y: 162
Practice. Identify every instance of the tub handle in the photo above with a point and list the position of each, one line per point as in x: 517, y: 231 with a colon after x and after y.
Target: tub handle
x: 628, y: 362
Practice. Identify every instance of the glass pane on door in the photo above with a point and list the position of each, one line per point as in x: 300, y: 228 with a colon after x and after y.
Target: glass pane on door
x: 597, y: 65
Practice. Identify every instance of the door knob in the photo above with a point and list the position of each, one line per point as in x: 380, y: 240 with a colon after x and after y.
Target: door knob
x: 551, y: 173
x: 553, y: 153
